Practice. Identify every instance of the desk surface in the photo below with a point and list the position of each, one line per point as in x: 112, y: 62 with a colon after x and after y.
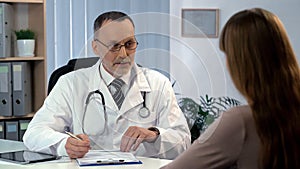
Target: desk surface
x: 8, y: 145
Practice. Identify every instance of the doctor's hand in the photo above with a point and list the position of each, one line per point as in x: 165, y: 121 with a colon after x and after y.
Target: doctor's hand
x: 134, y: 136
x: 77, y: 148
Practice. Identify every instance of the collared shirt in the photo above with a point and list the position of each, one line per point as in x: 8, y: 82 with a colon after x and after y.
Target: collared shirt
x: 108, y: 78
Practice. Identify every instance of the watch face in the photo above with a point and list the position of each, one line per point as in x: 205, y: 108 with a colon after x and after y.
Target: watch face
x: 154, y: 129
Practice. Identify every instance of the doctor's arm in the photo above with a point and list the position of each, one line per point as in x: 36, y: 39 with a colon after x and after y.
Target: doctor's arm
x: 175, y: 135
x: 45, y: 132
x: 172, y: 136
x: 134, y: 136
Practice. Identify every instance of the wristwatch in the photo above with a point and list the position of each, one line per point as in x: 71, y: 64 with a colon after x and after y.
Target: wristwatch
x: 155, y: 130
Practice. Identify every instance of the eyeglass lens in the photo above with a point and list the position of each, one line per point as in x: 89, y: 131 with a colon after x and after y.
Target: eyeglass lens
x: 129, y: 45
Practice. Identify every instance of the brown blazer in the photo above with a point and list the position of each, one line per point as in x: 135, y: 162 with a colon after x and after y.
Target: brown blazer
x: 230, y: 142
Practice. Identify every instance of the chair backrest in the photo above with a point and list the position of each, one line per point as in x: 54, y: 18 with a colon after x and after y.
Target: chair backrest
x: 73, y: 64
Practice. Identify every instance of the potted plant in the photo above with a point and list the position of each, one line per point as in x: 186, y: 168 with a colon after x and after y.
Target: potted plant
x: 200, y: 115
x: 25, y: 42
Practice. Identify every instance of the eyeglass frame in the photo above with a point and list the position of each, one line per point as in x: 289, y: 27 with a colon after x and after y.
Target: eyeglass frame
x: 120, y: 46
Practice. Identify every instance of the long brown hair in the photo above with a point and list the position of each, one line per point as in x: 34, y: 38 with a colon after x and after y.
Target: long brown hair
x: 264, y: 69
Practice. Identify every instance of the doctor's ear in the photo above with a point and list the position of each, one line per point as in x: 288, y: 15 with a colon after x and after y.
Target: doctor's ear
x: 95, y: 47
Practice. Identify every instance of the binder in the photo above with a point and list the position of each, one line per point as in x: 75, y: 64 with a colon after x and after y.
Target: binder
x: 5, y: 89
x: 21, y: 77
x: 11, y: 130
x: 6, y: 30
x: 2, y: 136
x: 23, y: 124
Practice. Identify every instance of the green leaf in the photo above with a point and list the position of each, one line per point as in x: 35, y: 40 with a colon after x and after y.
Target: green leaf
x: 25, y: 34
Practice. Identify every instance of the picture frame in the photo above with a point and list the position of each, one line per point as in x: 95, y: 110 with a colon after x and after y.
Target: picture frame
x: 197, y: 22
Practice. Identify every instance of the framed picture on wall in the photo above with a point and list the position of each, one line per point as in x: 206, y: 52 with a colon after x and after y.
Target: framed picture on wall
x: 200, y: 23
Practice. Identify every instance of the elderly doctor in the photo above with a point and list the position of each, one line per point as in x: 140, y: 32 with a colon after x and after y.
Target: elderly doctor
x: 148, y: 122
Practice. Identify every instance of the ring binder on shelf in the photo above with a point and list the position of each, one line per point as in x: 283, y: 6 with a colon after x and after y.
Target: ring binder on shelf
x: 21, y: 88
x: 2, y: 134
x: 23, y: 124
x: 6, y: 24
x: 5, y: 89
x: 11, y: 130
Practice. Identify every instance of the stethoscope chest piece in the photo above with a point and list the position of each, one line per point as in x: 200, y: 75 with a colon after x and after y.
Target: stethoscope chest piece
x: 144, y: 112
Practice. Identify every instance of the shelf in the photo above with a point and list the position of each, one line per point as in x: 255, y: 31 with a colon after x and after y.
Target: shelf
x: 31, y: 14
x: 28, y: 116
x: 23, y: 1
x: 36, y: 58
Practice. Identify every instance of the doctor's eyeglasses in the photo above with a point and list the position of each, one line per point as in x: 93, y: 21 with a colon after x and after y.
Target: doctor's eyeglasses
x: 129, y: 45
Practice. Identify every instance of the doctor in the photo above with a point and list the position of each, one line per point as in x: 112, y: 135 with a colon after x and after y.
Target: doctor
x: 145, y: 118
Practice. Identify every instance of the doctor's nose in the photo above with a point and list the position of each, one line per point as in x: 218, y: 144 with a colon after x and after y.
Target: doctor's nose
x: 123, y: 52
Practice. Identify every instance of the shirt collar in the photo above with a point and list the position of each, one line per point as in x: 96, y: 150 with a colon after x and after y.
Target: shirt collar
x: 108, y: 78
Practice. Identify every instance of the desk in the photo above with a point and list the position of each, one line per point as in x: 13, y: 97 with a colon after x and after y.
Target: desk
x: 8, y: 145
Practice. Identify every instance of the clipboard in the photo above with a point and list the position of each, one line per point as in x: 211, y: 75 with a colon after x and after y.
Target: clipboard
x: 100, y: 157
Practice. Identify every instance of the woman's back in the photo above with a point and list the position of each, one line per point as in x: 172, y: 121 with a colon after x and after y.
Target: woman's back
x: 264, y: 69
x: 230, y: 142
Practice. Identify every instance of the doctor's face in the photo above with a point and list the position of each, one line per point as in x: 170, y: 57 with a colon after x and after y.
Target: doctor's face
x: 115, y: 43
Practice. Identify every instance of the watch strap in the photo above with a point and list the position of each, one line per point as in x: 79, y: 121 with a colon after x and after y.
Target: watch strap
x: 154, y: 129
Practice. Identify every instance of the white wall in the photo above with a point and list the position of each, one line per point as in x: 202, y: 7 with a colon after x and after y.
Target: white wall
x: 197, y: 63
x: 70, y: 30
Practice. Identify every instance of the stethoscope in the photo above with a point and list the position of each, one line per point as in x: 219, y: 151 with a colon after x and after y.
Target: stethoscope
x: 144, y: 112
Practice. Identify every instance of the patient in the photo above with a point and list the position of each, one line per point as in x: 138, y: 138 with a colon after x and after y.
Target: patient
x: 266, y: 133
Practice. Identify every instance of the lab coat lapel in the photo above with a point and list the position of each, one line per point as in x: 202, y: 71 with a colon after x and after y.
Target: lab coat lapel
x: 134, y: 96
x: 132, y: 99
x: 109, y: 101
x: 97, y: 83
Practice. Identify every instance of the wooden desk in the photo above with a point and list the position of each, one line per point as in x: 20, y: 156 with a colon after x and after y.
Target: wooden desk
x: 8, y: 145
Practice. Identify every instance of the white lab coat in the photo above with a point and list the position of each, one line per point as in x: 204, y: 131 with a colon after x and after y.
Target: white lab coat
x: 65, y: 106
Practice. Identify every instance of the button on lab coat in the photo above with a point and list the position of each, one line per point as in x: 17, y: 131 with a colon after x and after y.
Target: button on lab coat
x: 65, y: 108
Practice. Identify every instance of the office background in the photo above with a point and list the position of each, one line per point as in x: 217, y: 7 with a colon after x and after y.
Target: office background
x: 195, y: 63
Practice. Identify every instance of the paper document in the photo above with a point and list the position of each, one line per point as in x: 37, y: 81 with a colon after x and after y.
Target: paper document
x: 100, y: 157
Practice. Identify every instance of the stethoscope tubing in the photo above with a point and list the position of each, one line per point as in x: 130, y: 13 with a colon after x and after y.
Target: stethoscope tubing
x: 86, y: 104
x: 143, y: 112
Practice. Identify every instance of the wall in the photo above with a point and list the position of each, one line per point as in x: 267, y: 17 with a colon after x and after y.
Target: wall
x: 198, y: 65
x: 70, y: 29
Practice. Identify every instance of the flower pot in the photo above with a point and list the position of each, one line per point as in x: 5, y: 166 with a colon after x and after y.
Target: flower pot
x: 25, y: 47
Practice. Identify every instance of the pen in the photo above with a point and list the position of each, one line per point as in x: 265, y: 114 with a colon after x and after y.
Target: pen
x: 110, y: 161
x: 72, y: 135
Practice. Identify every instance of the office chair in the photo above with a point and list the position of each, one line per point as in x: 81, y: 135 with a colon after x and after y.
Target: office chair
x: 73, y: 64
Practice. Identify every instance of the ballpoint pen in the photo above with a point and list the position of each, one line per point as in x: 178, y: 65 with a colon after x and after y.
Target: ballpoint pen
x: 72, y: 135
x: 110, y: 161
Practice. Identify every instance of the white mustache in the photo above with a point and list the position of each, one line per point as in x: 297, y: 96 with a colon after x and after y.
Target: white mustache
x: 123, y: 61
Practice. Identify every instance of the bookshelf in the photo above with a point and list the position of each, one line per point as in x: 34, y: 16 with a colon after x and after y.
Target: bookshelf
x: 31, y: 14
